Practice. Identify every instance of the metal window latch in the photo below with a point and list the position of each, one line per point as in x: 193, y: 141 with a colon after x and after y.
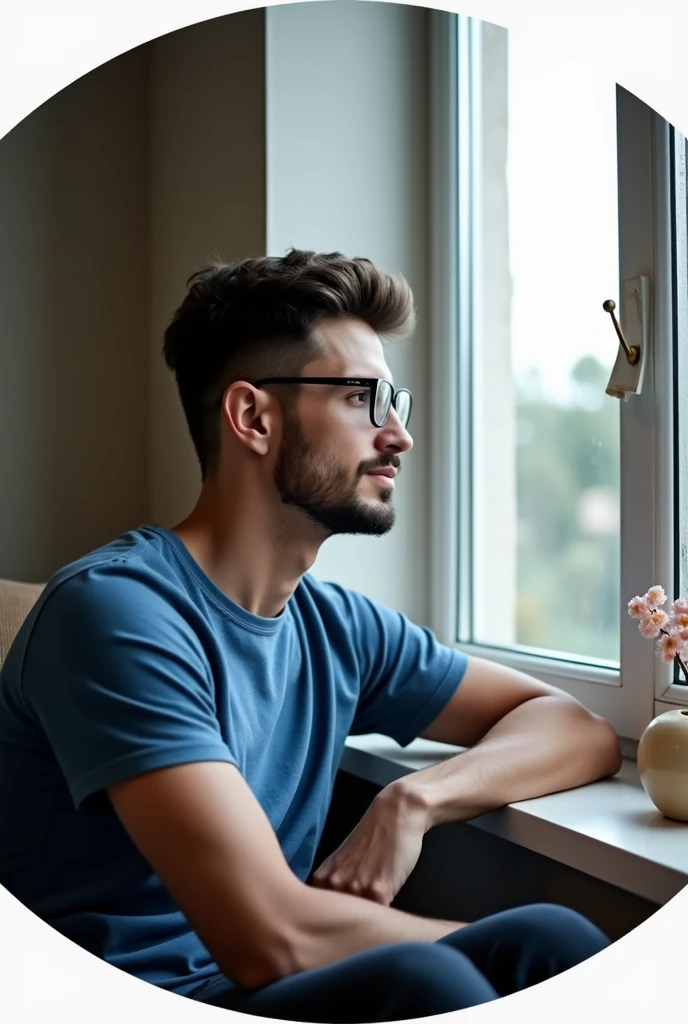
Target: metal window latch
x: 632, y: 351
x: 629, y: 369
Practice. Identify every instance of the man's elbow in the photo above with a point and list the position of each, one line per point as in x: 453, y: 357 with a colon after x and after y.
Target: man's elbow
x: 602, y: 746
x: 273, y: 959
x: 264, y: 947
x: 260, y: 970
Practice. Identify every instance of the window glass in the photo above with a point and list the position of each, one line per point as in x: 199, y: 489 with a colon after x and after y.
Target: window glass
x: 544, y: 501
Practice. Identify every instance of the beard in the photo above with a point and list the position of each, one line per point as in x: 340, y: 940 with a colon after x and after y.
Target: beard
x: 321, y: 487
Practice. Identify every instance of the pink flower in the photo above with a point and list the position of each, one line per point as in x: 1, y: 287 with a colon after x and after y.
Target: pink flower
x: 678, y: 621
x: 672, y: 644
x: 651, y: 625
x: 655, y: 596
x: 669, y: 646
x: 638, y: 608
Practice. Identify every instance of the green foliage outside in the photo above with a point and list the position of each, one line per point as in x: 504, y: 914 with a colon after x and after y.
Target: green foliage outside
x: 568, y: 563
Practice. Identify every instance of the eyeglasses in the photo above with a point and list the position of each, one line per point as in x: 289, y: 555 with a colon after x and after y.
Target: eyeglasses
x: 382, y: 394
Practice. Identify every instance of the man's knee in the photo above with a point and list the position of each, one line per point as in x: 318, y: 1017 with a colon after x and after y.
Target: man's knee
x: 413, y: 963
x: 417, y: 979
x: 554, y: 927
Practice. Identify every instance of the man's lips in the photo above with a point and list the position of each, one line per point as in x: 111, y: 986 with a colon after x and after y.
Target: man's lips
x: 384, y: 475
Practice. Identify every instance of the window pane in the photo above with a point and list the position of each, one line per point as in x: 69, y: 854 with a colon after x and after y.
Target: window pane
x: 545, y: 495
x: 680, y: 250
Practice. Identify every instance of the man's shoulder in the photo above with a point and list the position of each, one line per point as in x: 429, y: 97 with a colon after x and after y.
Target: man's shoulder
x: 133, y: 567
x: 330, y: 594
x: 350, y: 608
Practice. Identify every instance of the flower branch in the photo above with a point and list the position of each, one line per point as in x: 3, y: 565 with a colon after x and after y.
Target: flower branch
x: 671, y: 630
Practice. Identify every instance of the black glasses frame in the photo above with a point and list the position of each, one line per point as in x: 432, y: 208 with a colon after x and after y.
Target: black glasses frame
x: 350, y: 382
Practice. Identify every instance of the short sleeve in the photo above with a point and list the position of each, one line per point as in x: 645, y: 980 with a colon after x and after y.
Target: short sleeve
x: 117, y: 676
x: 407, y: 675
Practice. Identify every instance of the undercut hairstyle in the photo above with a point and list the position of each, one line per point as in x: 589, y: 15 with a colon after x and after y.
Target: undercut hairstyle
x: 259, y: 318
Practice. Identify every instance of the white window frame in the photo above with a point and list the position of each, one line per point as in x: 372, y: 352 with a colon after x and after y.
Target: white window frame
x: 630, y: 697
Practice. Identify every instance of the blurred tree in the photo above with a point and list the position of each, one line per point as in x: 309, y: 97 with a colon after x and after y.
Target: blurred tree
x: 568, y: 576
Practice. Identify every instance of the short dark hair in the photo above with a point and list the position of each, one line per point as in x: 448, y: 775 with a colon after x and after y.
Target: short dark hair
x: 258, y: 318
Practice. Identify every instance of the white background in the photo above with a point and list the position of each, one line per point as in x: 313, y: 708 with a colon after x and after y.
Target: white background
x: 46, y: 44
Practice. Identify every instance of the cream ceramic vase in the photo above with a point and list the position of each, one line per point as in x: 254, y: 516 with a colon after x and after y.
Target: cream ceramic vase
x: 663, y: 763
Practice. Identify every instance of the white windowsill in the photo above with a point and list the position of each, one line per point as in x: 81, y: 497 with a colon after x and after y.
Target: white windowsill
x: 610, y: 829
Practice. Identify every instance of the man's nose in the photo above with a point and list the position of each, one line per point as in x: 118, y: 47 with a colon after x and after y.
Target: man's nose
x: 394, y: 435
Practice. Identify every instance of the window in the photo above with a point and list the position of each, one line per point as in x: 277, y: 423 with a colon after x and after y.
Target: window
x: 680, y: 250
x: 553, y: 502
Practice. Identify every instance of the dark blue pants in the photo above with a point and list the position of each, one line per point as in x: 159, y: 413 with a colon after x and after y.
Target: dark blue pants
x: 490, y: 958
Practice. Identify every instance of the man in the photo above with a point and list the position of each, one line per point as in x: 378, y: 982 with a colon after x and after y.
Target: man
x: 175, y: 706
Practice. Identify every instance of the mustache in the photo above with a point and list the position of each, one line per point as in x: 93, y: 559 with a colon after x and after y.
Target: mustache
x: 374, y: 464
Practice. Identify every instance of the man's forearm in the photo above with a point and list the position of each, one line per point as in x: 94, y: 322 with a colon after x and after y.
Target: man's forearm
x: 327, y: 926
x: 543, y: 746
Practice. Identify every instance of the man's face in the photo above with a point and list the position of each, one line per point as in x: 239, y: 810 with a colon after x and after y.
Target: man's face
x: 330, y: 450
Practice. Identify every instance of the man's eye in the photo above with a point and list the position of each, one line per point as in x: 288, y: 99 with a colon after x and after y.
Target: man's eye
x: 360, y: 398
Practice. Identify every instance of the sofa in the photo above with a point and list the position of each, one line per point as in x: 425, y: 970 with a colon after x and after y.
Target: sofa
x: 16, y: 601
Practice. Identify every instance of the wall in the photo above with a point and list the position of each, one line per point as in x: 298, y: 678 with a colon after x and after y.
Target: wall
x: 73, y: 374
x: 207, y: 196
x: 347, y: 98
x: 111, y: 194
x: 495, y: 539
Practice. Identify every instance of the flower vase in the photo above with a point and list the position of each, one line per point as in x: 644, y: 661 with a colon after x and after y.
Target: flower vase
x: 663, y: 763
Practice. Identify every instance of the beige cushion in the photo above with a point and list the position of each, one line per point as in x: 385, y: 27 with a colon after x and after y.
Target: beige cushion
x: 16, y: 601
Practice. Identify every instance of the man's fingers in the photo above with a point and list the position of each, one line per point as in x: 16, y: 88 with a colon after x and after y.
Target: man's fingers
x: 322, y: 879
x: 329, y: 880
x: 378, y: 892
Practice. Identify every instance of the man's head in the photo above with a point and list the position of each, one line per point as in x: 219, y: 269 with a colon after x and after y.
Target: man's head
x: 305, y: 314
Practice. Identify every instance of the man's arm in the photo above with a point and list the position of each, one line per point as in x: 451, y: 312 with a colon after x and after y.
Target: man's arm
x: 526, y: 738
x: 207, y: 838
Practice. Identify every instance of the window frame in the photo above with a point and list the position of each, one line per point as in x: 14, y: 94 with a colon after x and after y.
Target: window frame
x: 630, y: 697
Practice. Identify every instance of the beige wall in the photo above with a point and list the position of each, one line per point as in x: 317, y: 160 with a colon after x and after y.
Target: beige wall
x: 110, y: 195
x: 73, y: 374
x: 347, y: 97
x: 207, y: 195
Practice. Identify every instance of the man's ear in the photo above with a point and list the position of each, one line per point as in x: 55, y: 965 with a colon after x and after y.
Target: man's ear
x: 252, y: 415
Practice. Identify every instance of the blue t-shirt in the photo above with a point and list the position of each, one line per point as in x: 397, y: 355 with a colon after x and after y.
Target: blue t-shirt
x: 133, y: 660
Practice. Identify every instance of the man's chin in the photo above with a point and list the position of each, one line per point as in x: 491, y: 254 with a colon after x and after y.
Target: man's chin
x: 361, y: 530
x: 374, y: 495
x: 372, y: 519
x: 377, y: 519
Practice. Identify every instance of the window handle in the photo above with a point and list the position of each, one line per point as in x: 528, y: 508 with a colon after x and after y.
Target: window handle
x: 632, y: 351
x: 629, y: 369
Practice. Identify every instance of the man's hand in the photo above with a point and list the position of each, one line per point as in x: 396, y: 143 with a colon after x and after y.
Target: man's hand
x: 375, y: 860
x: 206, y: 836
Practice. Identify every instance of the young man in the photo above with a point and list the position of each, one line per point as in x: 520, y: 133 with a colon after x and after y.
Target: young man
x: 174, y: 709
